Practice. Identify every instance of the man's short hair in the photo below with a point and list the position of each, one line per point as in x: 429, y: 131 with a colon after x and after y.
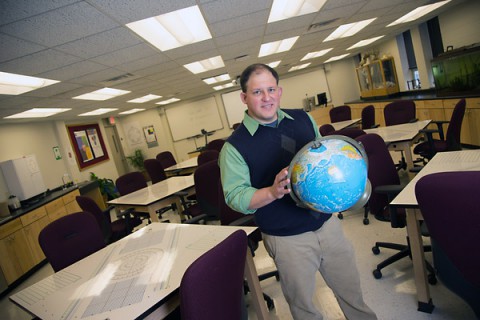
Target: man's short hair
x: 254, y: 68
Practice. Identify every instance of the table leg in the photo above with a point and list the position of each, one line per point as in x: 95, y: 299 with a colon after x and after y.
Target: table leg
x: 425, y: 303
x: 254, y: 286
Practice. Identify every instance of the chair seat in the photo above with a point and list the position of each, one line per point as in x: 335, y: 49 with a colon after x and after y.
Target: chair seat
x: 425, y: 149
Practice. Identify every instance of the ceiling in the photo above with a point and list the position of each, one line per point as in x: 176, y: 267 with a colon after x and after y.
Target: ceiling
x: 86, y: 46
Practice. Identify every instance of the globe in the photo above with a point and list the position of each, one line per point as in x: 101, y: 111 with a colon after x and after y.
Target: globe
x: 329, y: 175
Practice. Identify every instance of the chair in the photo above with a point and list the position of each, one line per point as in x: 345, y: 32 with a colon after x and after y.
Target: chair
x: 236, y: 125
x: 448, y: 202
x: 112, y: 230
x: 368, y: 117
x: 228, y: 216
x: 207, y: 155
x: 428, y: 148
x: 129, y: 183
x: 211, y: 287
x: 70, y: 239
x: 386, y: 185
x: 326, y: 129
x: 340, y: 113
x: 399, y: 112
x: 166, y: 158
x: 215, y: 144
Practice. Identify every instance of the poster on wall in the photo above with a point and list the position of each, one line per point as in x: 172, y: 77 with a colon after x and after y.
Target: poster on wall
x: 87, y: 143
x: 133, y: 133
x: 150, y: 137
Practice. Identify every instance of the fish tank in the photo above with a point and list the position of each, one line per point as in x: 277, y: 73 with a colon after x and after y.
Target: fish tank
x: 457, y: 72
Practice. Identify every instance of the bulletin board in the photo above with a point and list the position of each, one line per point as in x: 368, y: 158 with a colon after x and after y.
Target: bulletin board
x: 189, y: 119
x: 88, y: 145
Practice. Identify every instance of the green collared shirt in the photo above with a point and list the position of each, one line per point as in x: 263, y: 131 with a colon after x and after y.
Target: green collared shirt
x: 235, y: 175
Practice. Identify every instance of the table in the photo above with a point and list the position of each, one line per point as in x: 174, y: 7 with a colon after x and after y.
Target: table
x: 184, y: 167
x: 402, y: 137
x: 465, y: 160
x: 135, y: 277
x: 345, y: 124
x: 156, y: 196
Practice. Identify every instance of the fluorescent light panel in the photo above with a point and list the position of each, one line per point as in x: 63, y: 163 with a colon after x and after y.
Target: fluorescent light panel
x: 131, y: 111
x: 274, y: 64
x: 98, y: 112
x: 365, y: 42
x: 148, y: 97
x: 285, y: 9
x: 302, y: 66
x: 337, y: 58
x: 267, y: 49
x: 215, y: 79
x: 347, y: 30
x: 418, y: 13
x: 15, y: 84
x: 174, y: 29
x: 223, y: 86
x: 102, y: 94
x: 205, y: 65
x: 171, y: 100
x: 38, y: 113
x: 315, y: 54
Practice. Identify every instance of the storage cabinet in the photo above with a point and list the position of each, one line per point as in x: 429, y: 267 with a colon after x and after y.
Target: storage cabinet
x: 377, y: 78
x: 33, y: 222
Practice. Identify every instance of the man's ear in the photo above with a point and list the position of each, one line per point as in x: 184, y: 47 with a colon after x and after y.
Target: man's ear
x: 280, y: 90
x: 243, y: 97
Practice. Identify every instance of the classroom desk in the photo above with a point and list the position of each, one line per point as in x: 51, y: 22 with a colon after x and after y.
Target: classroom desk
x: 135, y: 277
x: 155, y: 196
x: 465, y: 160
x: 401, y: 137
x: 183, y: 168
x: 345, y: 124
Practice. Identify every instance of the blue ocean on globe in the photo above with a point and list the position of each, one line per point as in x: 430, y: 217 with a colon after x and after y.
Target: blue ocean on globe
x: 329, y: 174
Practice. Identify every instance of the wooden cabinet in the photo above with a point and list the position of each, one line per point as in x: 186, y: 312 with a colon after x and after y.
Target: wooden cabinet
x: 377, y: 78
x: 33, y: 222
x: 16, y: 256
x: 70, y: 202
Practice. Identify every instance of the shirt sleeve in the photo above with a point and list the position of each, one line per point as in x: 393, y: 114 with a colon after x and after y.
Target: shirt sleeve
x: 235, y: 177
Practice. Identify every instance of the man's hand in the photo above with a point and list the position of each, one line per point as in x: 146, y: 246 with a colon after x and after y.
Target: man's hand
x: 280, y: 185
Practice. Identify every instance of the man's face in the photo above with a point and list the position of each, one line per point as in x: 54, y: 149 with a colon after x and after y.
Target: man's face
x: 262, y: 97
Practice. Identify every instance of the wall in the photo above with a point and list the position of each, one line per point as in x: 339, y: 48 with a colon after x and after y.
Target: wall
x: 460, y: 26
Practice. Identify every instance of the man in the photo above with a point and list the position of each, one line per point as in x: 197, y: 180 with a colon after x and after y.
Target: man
x: 254, y: 171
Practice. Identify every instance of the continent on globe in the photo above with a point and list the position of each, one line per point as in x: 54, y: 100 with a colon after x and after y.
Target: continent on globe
x: 329, y: 175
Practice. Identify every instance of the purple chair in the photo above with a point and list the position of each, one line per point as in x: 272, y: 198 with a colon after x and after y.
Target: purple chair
x: 451, y: 142
x: 212, y: 286
x: 326, y: 129
x: 155, y: 170
x: 368, y: 117
x: 399, y: 111
x: 207, y: 155
x: 70, y: 239
x: 448, y: 202
x: 129, y: 183
x: 385, y: 182
x: 112, y: 230
x: 340, y: 113
x: 216, y: 144
x: 166, y: 158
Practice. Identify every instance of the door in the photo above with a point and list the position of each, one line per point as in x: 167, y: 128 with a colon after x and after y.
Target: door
x: 117, y: 155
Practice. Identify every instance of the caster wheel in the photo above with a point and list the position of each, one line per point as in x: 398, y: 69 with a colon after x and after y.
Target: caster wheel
x: 270, y: 305
x: 377, y: 274
x: 340, y: 215
x: 366, y: 221
x: 432, y: 279
x: 376, y: 250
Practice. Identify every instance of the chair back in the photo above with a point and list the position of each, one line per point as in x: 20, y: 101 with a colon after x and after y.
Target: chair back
x: 70, y: 239
x: 166, y: 158
x: 381, y: 171
x: 236, y: 125
x: 350, y: 132
x: 130, y: 182
x: 340, y: 113
x: 216, y: 144
x: 326, y: 129
x: 207, y: 155
x: 399, y: 111
x: 206, y: 179
x: 368, y: 117
x: 155, y: 170
x: 449, y: 205
x: 103, y: 218
x: 212, y: 286
x: 455, y: 126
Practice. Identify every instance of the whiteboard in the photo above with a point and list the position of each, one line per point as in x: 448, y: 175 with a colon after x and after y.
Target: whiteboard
x: 189, y: 119
x: 234, y: 107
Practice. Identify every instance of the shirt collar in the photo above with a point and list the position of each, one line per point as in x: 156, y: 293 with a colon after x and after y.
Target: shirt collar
x: 252, y: 124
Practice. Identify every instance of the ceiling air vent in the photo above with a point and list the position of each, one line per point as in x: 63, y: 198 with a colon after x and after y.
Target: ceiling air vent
x: 320, y: 25
x: 118, y: 79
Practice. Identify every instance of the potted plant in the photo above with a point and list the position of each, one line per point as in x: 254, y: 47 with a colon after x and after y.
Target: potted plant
x: 106, y: 186
x: 136, y: 161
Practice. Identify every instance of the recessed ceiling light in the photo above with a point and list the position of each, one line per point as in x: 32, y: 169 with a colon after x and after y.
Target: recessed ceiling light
x: 15, y: 84
x: 131, y: 111
x: 365, y: 42
x: 102, y: 94
x: 337, y: 58
x: 277, y: 46
x: 302, y: 66
x: 98, y: 112
x: 215, y: 79
x: 418, y: 13
x: 285, y: 9
x: 315, y: 54
x: 274, y: 64
x: 223, y: 86
x: 171, y: 100
x: 38, y: 113
x: 205, y: 65
x: 174, y: 29
x: 347, y: 30
x: 148, y: 97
